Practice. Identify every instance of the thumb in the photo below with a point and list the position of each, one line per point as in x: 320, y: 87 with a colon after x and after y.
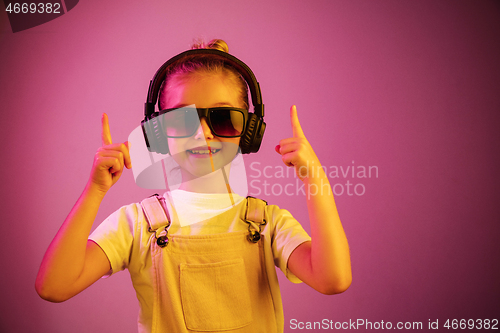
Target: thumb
x: 296, y: 128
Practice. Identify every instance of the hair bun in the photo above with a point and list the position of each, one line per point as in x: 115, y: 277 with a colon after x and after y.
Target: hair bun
x: 214, y: 44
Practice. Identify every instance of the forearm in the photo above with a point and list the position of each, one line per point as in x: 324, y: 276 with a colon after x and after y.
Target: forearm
x: 71, y: 262
x: 65, y: 257
x: 324, y: 263
x: 330, y: 258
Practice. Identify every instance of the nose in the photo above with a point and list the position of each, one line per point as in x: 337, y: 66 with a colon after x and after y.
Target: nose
x: 204, y: 130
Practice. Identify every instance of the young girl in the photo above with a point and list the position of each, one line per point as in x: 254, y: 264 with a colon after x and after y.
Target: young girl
x: 210, y: 265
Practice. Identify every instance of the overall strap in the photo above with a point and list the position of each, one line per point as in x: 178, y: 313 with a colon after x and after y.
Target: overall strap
x: 255, y: 210
x: 254, y: 215
x: 154, y: 209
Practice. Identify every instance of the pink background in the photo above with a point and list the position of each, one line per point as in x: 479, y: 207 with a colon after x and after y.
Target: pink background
x: 412, y: 87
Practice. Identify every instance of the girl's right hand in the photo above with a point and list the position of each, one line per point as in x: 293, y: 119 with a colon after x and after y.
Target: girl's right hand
x: 109, y: 160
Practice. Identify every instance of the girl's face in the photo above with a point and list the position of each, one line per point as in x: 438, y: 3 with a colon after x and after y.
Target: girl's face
x: 192, y: 153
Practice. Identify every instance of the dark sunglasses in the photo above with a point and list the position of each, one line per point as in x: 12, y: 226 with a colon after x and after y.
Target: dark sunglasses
x: 226, y: 122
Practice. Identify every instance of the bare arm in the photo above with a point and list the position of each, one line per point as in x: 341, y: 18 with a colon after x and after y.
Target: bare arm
x: 72, y: 263
x: 324, y: 263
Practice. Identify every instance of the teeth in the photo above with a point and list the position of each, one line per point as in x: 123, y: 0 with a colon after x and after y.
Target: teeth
x: 203, y: 151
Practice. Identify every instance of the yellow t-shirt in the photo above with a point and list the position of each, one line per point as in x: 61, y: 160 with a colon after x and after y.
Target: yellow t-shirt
x: 125, y: 238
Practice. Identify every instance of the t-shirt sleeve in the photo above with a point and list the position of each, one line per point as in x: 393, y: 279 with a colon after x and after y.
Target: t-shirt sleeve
x: 115, y: 236
x: 287, y: 235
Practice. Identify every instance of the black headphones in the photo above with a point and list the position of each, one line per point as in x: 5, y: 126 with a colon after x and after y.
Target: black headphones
x: 251, y: 139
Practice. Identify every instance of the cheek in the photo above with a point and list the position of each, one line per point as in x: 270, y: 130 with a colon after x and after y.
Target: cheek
x: 235, y: 141
x: 231, y: 146
x: 176, y: 146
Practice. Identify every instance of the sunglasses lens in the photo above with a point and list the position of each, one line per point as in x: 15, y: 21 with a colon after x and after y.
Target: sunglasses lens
x: 184, y: 122
x: 226, y: 122
x: 181, y: 122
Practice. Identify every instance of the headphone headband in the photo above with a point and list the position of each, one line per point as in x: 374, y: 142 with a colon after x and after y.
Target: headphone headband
x: 238, y: 65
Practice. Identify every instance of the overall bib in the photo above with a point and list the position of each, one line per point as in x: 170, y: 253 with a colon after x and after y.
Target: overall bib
x: 210, y: 283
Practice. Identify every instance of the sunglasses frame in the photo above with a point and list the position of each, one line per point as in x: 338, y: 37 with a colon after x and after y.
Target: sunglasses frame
x: 206, y: 112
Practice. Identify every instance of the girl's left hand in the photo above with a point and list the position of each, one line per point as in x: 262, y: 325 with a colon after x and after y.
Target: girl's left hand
x: 297, y: 152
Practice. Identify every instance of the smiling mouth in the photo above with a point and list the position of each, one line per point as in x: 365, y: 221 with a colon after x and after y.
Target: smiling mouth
x: 205, y: 151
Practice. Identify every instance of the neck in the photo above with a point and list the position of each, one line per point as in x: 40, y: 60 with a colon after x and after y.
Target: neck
x: 214, y: 182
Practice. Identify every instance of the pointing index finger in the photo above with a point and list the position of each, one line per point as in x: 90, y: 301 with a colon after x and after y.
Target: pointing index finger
x: 106, y: 134
x: 296, y: 128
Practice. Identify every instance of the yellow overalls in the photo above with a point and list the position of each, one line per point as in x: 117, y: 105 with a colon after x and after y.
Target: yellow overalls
x: 211, y: 283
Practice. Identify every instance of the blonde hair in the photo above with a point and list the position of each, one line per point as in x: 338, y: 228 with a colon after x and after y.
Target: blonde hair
x: 204, y: 64
x: 214, y: 44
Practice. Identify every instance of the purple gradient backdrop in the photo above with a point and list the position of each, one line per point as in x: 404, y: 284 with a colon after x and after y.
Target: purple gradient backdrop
x: 411, y: 87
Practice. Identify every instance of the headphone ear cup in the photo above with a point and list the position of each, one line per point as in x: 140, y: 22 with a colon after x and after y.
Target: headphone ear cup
x: 252, y: 138
x: 155, y: 140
